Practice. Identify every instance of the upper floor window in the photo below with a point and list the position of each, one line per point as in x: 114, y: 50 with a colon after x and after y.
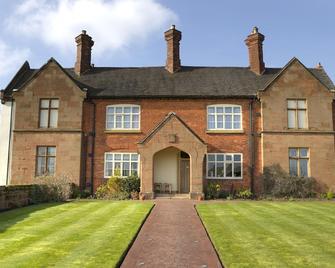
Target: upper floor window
x: 297, y: 113
x: 121, y: 164
x: 123, y: 117
x: 48, y: 113
x: 224, y: 166
x: 45, y: 160
x: 299, y: 161
x: 224, y: 117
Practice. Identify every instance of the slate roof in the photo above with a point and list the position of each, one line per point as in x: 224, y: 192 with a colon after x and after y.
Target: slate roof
x: 192, y: 82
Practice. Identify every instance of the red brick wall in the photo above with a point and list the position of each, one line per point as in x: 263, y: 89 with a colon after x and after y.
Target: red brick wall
x: 192, y: 111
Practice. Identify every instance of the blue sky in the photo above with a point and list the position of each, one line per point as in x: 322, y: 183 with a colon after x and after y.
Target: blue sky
x: 130, y: 32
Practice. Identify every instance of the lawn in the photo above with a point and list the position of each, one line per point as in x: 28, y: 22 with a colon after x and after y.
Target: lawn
x: 272, y: 234
x: 75, y: 234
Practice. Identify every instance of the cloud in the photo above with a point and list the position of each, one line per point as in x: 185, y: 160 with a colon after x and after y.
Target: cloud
x: 11, y: 58
x: 114, y: 24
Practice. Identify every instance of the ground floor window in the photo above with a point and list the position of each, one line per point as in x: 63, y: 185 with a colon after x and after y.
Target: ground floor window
x: 224, y: 166
x: 45, y: 160
x: 121, y: 164
x: 299, y: 162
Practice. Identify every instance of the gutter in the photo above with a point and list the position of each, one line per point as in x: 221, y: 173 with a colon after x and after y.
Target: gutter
x: 92, y: 134
x: 251, y: 145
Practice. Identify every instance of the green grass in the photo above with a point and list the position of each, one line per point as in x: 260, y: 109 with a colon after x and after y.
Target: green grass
x: 76, y: 234
x: 272, y: 234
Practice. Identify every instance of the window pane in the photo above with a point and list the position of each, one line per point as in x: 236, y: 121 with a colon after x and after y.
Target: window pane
x: 303, y: 167
x: 127, y: 110
x: 229, y: 169
x: 40, y: 170
x: 211, y: 157
x: 134, y: 157
x: 211, y: 110
x: 52, y: 151
x: 110, y: 121
x: 228, y: 110
x: 220, y: 169
x: 237, y: 109
x: 228, y: 122
x: 44, y: 114
x: 41, y: 151
x: 219, y: 110
x: 117, y: 168
x: 110, y: 110
x: 293, y: 167
x: 134, y: 168
x: 211, y: 121
x: 135, y: 124
x: 136, y: 110
x: 109, y: 157
x: 118, y: 121
x: 117, y: 156
x: 237, y: 170
x: 301, y: 104
x: 237, y: 121
x: 291, y: 119
x: 293, y: 152
x: 125, y: 169
x: 220, y: 121
x: 109, y: 169
x: 51, y: 165
x: 54, y: 103
x: 237, y: 157
x: 303, y: 152
x: 44, y: 103
x: 211, y: 170
x: 302, y: 119
x: 126, y: 157
x: 292, y: 104
x: 53, y: 118
x: 219, y: 157
x: 118, y: 110
x: 126, y: 124
x: 229, y: 157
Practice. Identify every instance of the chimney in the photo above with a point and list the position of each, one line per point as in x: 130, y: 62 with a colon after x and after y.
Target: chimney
x: 254, y: 42
x: 173, y: 37
x: 84, y: 47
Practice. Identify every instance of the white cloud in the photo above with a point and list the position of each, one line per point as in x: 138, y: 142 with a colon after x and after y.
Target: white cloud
x: 113, y: 24
x: 11, y: 59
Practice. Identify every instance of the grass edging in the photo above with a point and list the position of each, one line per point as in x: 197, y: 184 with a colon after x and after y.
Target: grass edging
x: 124, y: 254
x: 209, y: 237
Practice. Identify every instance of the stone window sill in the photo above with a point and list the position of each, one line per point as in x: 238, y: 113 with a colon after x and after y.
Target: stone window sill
x: 225, y: 131
x: 122, y: 131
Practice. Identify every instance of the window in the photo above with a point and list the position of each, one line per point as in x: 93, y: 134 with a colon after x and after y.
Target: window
x: 299, y: 161
x: 297, y: 114
x: 224, y: 166
x: 48, y: 113
x: 123, y: 117
x: 45, y: 160
x: 121, y: 164
x: 224, y: 117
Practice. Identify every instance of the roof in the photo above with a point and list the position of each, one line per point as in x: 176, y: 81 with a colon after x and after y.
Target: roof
x: 190, y: 81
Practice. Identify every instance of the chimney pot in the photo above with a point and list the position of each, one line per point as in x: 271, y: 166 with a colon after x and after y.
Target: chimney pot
x: 173, y: 37
x: 84, y: 53
x: 254, y: 43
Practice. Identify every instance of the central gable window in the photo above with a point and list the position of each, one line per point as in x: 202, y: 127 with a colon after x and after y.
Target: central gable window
x: 224, y: 117
x: 297, y: 114
x: 48, y: 113
x: 123, y: 117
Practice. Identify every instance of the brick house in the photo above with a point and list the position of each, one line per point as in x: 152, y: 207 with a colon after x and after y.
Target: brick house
x: 176, y: 126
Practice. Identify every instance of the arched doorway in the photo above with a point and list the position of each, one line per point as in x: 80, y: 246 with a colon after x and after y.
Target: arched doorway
x: 171, y: 171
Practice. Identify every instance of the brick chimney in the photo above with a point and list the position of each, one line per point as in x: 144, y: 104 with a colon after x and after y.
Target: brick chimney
x: 84, y: 47
x: 173, y: 37
x: 254, y: 42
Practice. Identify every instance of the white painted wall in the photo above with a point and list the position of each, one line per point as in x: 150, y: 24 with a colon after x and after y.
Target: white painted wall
x: 166, y: 167
x: 5, y: 115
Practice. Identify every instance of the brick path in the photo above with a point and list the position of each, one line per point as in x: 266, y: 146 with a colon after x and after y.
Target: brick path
x: 172, y: 236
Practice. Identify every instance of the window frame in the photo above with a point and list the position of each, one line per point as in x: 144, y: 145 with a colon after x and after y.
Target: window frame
x: 49, y: 109
x: 131, y: 117
x: 224, y: 166
x: 121, y: 161
x: 296, y: 111
x: 46, y: 156
x: 224, y: 120
x: 298, y: 158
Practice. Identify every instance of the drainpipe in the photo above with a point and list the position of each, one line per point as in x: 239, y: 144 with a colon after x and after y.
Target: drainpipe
x: 92, y: 134
x: 10, y: 141
x: 251, y: 144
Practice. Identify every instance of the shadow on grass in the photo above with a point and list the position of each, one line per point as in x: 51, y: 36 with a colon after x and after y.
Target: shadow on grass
x: 11, y: 217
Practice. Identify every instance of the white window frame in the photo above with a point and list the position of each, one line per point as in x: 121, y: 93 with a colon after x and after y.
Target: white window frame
x: 296, y: 114
x: 121, y: 161
x: 224, y: 166
x: 215, y: 106
x: 122, y: 114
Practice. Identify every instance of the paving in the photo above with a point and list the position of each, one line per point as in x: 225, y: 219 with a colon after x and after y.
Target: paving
x: 172, y: 236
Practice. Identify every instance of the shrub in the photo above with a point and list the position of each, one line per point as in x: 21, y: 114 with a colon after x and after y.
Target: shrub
x: 52, y: 189
x: 244, y: 194
x: 119, y: 188
x: 330, y: 194
x: 213, y: 191
x: 279, y: 183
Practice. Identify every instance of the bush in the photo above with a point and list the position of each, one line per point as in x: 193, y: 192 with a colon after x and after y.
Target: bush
x: 244, y: 194
x: 279, y: 183
x: 52, y: 189
x: 119, y: 188
x: 330, y: 194
x: 213, y: 191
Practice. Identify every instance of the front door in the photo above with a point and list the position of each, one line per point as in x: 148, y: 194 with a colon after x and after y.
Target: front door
x: 184, y: 176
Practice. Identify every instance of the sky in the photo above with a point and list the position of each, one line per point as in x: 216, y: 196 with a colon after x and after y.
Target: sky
x: 130, y: 32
